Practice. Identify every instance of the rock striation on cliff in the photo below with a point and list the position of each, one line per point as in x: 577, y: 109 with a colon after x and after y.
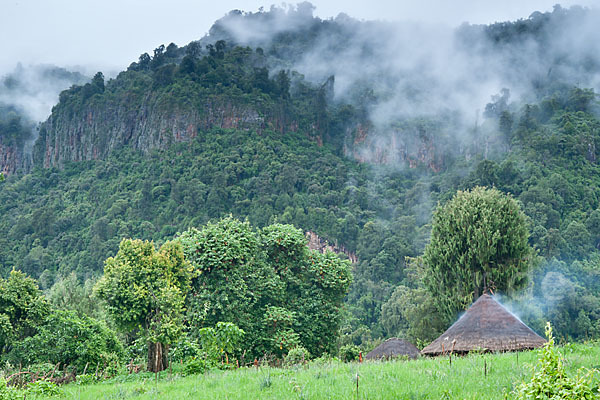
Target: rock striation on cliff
x: 13, y: 157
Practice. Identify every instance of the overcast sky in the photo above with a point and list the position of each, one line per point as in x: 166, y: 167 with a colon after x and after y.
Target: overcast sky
x: 108, y: 35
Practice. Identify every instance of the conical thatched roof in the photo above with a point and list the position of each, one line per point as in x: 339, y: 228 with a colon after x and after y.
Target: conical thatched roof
x: 393, y: 347
x: 487, y: 326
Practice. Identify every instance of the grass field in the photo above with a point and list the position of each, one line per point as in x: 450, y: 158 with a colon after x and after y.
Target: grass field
x: 426, y: 378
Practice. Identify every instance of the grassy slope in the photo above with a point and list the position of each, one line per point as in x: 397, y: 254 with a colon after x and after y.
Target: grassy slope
x: 421, y: 379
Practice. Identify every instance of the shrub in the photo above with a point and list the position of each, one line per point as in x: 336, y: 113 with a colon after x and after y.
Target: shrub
x: 349, y: 353
x: 550, y: 380
x: 42, y: 369
x: 87, y: 379
x: 297, y: 355
x: 43, y: 388
x: 324, y: 359
x: 195, y: 366
x: 71, y: 340
x: 221, y: 342
x: 8, y: 393
x: 185, y: 349
x: 112, y: 364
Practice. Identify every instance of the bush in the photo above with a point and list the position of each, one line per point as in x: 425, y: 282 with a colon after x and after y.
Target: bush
x: 220, y: 342
x: 550, y: 380
x: 8, y: 393
x: 297, y: 355
x: 71, y: 340
x: 195, y: 366
x: 87, y: 379
x: 324, y: 359
x: 349, y: 353
x: 42, y: 369
x: 112, y: 364
x: 185, y: 349
x: 43, y: 388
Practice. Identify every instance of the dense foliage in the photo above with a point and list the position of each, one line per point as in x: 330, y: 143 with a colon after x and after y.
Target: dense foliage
x: 479, y: 241
x: 145, y: 289
x: 32, y: 331
x: 71, y: 340
x: 15, y: 128
x: 294, y: 163
x: 269, y: 283
x: 23, y: 309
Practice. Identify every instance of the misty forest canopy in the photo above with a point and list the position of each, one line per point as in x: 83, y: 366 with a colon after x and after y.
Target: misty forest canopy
x: 336, y: 127
x: 33, y: 90
x: 14, y: 126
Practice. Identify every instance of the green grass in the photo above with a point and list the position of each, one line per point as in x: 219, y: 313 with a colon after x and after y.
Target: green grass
x: 425, y: 378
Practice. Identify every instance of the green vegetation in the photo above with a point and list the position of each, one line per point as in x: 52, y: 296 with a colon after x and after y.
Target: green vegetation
x: 71, y: 340
x: 264, y: 146
x: 15, y: 128
x: 475, y: 376
x: 269, y: 283
x: 32, y: 331
x: 145, y: 290
x: 479, y: 241
x: 59, y: 221
x: 23, y: 309
x: 550, y: 379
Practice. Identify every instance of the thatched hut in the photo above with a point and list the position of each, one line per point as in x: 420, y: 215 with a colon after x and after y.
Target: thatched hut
x: 391, y: 348
x: 486, y: 326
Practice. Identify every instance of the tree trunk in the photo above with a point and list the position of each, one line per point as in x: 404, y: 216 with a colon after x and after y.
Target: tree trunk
x: 485, y: 282
x: 475, y: 286
x: 157, y: 357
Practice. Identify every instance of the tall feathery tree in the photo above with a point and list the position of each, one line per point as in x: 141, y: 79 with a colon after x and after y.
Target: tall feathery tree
x: 479, y: 241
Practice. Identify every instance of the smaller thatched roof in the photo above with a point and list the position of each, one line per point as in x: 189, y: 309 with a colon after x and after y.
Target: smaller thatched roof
x: 486, y: 326
x: 391, y: 348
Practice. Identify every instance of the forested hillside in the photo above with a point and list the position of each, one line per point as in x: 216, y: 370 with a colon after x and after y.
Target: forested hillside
x: 324, y: 125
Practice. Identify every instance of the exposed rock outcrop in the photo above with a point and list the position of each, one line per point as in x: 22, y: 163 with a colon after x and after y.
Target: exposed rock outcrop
x: 13, y: 157
x: 318, y: 243
x: 414, y: 147
x: 94, y: 132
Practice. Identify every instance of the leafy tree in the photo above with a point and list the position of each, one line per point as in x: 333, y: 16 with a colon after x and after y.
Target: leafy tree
x: 23, y: 309
x: 69, y: 339
x: 220, y: 342
x: 479, y: 241
x: 411, y: 313
x: 68, y: 294
x: 232, y: 280
x: 315, y: 286
x: 580, y: 99
x: 268, y: 283
x: 144, y: 289
x: 98, y: 82
x: 144, y: 62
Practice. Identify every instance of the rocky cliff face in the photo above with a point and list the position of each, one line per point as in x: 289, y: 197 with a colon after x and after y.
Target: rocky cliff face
x: 428, y: 144
x: 413, y: 147
x: 13, y: 157
x: 93, y: 132
x: 315, y: 242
